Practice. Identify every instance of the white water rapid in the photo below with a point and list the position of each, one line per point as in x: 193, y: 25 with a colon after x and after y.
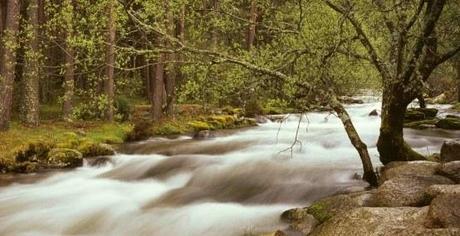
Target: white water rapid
x: 236, y: 183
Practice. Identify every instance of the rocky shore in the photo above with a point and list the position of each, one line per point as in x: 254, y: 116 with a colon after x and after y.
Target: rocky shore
x: 413, y: 198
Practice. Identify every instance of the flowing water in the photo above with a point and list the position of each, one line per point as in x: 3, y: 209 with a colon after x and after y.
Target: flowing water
x: 236, y: 183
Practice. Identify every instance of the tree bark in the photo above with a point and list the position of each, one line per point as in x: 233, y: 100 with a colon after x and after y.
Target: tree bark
x: 69, y: 74
x: 9, y: 60
x: 252, y: 25
x: 157, y: 98
x: 172, y: 71
x: 31, y: 102
x: 110, y: 61
x: 391, y: 144
x: 360, y: 146
x: 421, y: 101
x: 457, y: 68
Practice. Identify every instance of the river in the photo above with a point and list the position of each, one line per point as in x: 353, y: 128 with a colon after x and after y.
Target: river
x: 234, y: 184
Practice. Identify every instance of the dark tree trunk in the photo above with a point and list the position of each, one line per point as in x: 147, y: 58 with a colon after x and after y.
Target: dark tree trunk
x: 110, y: 61
x: 9, y: 62
x: 159, y: 87
x: 421, y: 101
x: 391, y: 144
x: 457, y: 67
x: 172, y: 71
x: 32, y: 74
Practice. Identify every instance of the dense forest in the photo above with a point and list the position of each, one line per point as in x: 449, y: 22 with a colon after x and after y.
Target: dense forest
x: 110, y: 71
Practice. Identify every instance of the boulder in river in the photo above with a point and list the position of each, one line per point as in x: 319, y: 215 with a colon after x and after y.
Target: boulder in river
x: 326, y: 208
x: 450, y: 151
x: 440, y: 99
x: 407, y: 191
x: 299, y: 221
x: 203, y: 134
x: 403, y: 168
x: 451, y: 170
x: 64, y: 157
x: 445, y: 211
x: 413, y: 115
x: 96, y: 149
x: 449, y: 123
x: 374, y: 113
x: 365, y: 221
x: 428, y: 112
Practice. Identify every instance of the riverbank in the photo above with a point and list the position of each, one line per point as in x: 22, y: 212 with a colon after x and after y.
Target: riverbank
x: 59, y: 144
x: 414, y: 198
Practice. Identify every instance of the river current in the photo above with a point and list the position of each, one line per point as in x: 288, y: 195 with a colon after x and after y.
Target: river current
x: 234, y: 184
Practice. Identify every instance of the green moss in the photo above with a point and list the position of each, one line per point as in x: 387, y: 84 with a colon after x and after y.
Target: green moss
x: 90, y: 149
x: 65, y: 157
x: 456, y: 107
x: 171, y: 129
x: 200, y: 125
x: 319, y: 211
x: 449, y: 123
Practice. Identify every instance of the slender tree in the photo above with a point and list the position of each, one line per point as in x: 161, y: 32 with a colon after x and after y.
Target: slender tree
x: 69, y: 66
x: 251, y: 36
x: 110, y: 60
x: 9, y: 45
x: 33, y: 58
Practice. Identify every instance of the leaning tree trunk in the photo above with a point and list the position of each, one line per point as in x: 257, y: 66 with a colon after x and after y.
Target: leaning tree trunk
x: 110, y: 61
x: 9, y: 60
x: 391, y: 144
x: 360, y: 146
x: 31, y: 76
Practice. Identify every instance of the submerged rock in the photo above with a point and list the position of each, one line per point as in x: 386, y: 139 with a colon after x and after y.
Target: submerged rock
x: 64, y: 157
x: 407, y: 190
x: 403, y: 168
x: 299, y: 221
x: 421, y: 124
x: 365, y: 221
x: 450, y: 151
x: 350, y: 100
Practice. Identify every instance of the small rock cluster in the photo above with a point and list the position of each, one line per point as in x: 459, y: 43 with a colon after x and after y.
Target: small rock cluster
x: 413, y: 198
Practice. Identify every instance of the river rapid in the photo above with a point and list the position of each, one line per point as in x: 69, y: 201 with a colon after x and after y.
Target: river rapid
x: 234, y: 184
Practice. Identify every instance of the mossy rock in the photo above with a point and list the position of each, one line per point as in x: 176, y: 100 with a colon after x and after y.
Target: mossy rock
x: 449, y: 123
x: 65, y: 158
x: 24, y: 167
x: 413, y: 115
x: 34, y: 151
x: 326, y: 208
x: 422, y: 124
x: 200, y: 125
x: 169, y: 129
x: 96, y: 149
x: 142, y: 130
x: 429, y: 112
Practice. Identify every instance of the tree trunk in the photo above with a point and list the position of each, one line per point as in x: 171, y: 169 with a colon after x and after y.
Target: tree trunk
x: 157, y: 98
x: 421, y: 101
x: 9, y: 60
x: 391, y: 144
x: 457, y: 67
x: 110, y: 61
x: 69, y: 74
x: 32, y: 74
x: 170, y: 82
x: 360, y: 146
x: 252, y: 25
